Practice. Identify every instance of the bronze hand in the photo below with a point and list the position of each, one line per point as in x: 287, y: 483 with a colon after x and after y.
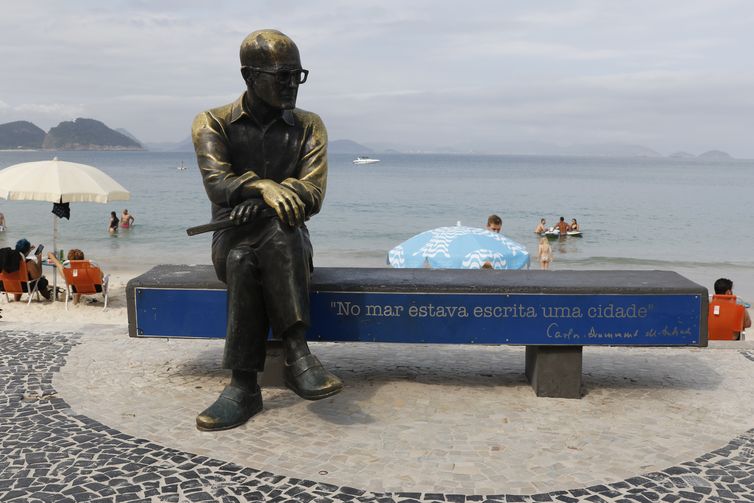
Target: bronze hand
x: 285, y: 202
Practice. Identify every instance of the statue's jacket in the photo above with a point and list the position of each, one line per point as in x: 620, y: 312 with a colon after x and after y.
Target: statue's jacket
x: 233, y: 150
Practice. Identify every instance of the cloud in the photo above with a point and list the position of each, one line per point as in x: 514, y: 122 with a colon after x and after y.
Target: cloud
x: 675, y: 74
x: 51, y: 109
x: 44, y: 115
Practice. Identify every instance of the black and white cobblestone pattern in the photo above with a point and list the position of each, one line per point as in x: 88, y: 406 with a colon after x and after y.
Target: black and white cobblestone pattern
x: 48, y: 453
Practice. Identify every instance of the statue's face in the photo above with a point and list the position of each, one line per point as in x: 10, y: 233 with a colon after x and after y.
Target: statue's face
x: 276, y: 81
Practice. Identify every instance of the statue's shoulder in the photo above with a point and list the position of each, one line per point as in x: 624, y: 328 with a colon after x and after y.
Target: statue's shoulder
x: 221, y: 113
x: 306, y: 117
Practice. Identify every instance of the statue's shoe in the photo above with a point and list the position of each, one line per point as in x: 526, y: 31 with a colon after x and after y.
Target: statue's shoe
x: 233, y: 408
x: 310, y: 380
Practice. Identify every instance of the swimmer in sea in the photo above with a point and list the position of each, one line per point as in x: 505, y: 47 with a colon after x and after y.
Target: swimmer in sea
x: 126, y: 219
x: 113, y: 226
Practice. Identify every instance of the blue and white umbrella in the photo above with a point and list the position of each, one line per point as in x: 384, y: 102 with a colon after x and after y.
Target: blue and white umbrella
x: 459, y: 248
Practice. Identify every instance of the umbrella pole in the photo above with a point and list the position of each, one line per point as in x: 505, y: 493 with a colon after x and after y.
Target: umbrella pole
x: 55, y: 234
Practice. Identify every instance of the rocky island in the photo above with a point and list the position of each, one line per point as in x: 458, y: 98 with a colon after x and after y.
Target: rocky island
x: 21, y: 135
x: 80, y: 134
x: 715, y: 155
x: 87, y: 134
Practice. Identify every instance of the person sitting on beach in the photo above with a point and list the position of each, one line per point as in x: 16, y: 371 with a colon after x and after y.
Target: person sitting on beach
x: 126, y: 220
x: 544, y: 252
x: 494, y: 223
x: 562, y: 227
x: 113, y: 226
x: 540, y: 228
x: 574, y: 226
x: 34, y: 267
x: 73, y: 254
x: 724, y: 286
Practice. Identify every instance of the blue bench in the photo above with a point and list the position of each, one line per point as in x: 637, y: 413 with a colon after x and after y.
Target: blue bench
x: 553, y: 313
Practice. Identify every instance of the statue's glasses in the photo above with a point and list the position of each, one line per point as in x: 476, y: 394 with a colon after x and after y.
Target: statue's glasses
x: 297, y: 76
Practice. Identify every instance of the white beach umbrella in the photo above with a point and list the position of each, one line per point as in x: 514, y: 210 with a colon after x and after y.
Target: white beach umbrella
x: 59, y: 182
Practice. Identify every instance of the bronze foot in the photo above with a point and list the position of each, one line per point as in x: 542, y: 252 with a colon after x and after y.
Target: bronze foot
x: 233, y: 408
x: 310, y: 380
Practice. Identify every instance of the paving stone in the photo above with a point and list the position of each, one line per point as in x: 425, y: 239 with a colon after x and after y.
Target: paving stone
x: 48, y: 445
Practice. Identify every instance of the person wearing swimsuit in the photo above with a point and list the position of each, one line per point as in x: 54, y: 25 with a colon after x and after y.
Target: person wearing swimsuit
x: 545, y: 253
x: 113, y: 227
x: 126, y: 219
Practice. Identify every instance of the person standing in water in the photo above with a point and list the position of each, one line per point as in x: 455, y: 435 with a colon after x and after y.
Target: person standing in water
x: 126, y: 219
x: 545, y: 253
x: 562, y: 227
x: 113, y: 225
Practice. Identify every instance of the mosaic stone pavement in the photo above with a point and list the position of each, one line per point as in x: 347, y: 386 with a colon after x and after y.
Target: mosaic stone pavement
x: 50, y: 453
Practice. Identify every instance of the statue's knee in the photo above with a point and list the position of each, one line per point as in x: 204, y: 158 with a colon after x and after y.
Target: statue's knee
x: 240, y: 260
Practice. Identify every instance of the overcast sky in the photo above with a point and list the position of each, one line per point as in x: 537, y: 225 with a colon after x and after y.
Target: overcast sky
x: 670, y: 75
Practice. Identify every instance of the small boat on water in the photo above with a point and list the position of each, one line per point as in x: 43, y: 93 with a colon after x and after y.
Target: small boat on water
x: 181, y: 167
x: 365, y: 160
x: 555, y: 233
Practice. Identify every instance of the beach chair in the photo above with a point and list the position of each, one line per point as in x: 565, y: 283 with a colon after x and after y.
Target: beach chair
x: 726, y: 318
x: 84, y: 277
x: 18, y: 283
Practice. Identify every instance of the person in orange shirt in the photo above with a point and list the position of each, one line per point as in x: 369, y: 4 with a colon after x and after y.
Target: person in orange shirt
x: 73, y: 254
x: 724, y: 286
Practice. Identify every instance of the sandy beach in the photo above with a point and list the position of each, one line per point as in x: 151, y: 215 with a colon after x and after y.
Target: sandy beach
x: 89, y: 310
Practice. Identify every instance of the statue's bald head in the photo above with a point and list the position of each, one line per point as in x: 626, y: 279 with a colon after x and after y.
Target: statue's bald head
x: 268, y: 49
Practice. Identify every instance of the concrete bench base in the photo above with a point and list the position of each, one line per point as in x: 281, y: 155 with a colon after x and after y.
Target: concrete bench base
x: 554, y: 371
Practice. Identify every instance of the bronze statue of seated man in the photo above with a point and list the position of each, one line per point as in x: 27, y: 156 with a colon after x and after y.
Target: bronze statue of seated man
x: 264, y: 166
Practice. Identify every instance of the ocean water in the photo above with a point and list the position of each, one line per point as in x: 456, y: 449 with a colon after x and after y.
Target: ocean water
x: 686, y: 215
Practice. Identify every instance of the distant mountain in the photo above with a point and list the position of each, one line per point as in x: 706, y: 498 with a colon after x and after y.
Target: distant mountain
x: 21, y: 134
x: 127, y: 133
x: 347, y: 147
x: 681, y: 155
x: 87, y: 134
x: 715, y: 155
x: 610, y: 150
x: 529, y: 148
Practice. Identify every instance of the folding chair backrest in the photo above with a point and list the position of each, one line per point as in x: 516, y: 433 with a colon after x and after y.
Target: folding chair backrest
x: 83, y: 277
x: 80, y: 264
x: 15, y: 282
x: 726, y: 318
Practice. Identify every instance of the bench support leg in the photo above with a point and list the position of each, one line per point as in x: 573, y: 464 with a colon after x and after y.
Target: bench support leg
x: 274, y: 366
x: 554, y: 371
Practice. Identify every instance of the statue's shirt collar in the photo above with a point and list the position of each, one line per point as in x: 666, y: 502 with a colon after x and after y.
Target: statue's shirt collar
x: 241, y: 110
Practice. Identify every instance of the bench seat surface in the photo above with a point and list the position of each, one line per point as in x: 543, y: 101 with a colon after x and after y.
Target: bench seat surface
x: 655, y: 308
